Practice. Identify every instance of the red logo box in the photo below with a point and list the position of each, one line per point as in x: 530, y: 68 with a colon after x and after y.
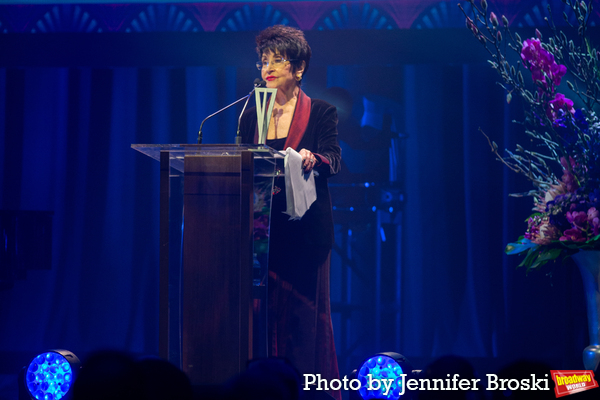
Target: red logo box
x: 572, y: 381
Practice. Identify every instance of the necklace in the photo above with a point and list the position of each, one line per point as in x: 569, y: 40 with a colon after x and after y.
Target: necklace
x: 277, y: 113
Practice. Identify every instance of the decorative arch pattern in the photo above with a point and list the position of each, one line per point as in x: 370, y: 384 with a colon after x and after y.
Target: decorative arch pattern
x: 443, y: 15
x: 355, y: 16
x: 163, y: 18
x: 254, y: 18
x: 66, y: 18
x: 234, y: 16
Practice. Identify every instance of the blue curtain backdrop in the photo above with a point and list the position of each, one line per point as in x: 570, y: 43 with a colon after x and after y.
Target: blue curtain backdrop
x: 65, y: 141
x: 66, y: 148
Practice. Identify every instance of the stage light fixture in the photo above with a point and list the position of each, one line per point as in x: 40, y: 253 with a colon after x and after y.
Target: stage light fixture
x: 383, y: 366
x: 50, y: 375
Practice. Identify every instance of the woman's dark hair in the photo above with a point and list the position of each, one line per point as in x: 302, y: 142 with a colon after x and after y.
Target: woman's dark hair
x: 287, y: 41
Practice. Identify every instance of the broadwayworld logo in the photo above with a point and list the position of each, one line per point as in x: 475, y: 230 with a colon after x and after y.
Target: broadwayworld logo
x: 569, y: 382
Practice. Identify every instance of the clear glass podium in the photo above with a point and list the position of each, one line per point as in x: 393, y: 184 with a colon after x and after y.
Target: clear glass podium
x: 215, y: 203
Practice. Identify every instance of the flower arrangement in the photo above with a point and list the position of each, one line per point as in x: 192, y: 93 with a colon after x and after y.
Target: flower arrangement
x: 564, y: 165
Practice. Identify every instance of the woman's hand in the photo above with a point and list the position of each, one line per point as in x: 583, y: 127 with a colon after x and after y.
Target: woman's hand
x: 309, y: 160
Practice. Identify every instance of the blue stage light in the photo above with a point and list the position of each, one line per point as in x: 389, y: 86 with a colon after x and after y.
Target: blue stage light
x: 383, y: 366
x: 50, y: 375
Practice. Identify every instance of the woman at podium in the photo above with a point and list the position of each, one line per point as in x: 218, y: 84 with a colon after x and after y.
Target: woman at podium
x: 300, y: 326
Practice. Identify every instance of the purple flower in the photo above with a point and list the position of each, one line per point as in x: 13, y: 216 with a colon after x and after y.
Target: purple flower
x: 557, y: 71
x: 570, y: 182
x: 583, y: 223
x: 564, y: 128
x: 559, y: 107
x: 569, y: 125
x: 578, y: 219
x: 593, y: 216
x: 573, y: 234
x: 541, y: 63
x: 581, y: 121
x: 530, y: 51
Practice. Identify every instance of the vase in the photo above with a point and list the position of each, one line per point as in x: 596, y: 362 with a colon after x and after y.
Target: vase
x: 589, y: 266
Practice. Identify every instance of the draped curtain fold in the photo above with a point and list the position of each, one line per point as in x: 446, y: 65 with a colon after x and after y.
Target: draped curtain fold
x: 66, y: 136
x: 463, y: 295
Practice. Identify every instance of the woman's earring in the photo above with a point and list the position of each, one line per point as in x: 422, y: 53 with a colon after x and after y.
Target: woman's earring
x: 298, y: 77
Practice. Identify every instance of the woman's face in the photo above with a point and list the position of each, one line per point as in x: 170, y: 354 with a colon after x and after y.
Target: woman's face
x: 277, y: 71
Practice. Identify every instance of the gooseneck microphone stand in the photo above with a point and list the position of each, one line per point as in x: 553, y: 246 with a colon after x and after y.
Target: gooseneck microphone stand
x: 238, y: 139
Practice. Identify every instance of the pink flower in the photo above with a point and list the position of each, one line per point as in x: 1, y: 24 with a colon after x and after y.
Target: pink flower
x: 546, y: 234
x: 578, y: 219
x: 583, y: 223
x: 570, y: 182
x: 494, y: 19
x: 573, y: 234
x: 540, y: 231
x: 563, y: 162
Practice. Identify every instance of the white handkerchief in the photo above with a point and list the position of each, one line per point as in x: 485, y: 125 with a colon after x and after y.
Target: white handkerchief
x: 299, y: 186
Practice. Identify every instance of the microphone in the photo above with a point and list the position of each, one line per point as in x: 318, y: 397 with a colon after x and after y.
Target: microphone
x: 257, y: 82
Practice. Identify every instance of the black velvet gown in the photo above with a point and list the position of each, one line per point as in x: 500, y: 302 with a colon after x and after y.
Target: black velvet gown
x: 300, y: 326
